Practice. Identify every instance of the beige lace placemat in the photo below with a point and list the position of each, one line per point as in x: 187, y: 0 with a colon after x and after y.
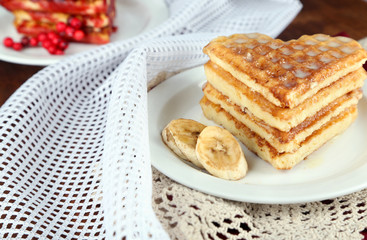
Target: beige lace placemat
x: 192, y: 215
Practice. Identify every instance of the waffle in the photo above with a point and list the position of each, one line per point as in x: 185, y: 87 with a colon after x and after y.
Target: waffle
x: 286, y: 73
x: 283, y: 100
x: 281, y: 118
x: 35, y: 17
x: 264, y: 149
x: 283, y: 141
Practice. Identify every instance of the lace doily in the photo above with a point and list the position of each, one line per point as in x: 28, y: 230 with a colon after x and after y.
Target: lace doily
x: 189, y: 214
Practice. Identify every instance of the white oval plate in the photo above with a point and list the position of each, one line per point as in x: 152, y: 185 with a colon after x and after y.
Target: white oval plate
x: 336, y: 169
x: 132, y: 18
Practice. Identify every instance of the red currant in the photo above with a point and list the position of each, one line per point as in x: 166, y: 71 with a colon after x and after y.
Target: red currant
x: 56, y: 41
x: 52, y: 49
x: 63, y: 45
x: 59, y: 52
x: 60, y: 26
x: 46, y: 44
x: 69, y: 31
x: 42, y: 37
x: 17, y: 46
x: 342, y: 34
x: 8, y: 42
x: 24, y: 41
x: 75, y: 23
x: 33, y: 41
x: 52, y: 35
x: 78, y: 35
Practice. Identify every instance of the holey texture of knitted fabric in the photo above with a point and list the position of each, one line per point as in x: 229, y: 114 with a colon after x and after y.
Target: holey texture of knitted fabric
x: 74, y: 158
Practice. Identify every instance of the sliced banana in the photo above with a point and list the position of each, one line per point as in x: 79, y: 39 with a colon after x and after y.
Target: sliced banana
x: 221, y: 154
x: 181, y: 136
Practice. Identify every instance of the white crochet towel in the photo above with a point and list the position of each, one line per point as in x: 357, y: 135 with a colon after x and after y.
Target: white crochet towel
x: 74, y: 158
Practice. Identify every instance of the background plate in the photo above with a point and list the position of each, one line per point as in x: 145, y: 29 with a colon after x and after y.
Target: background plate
x: 336, y: 169
x: 133, y: 17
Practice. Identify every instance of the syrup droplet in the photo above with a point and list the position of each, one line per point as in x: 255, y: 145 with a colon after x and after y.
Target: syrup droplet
x: 286, y: 66
x: 248, y: 57
x: 240, y: 40
x: 300, y: 73
x: 325, y: 59
x: 343, y: 39
x: 333, y: 44
x: 286, y: 51
x: 298, y: 47
x: 312, y: 53
x: 348, y: 50
x: 313, y: 66
x: 310, y: 42
x: 336, y: 54
x: 323, y: 48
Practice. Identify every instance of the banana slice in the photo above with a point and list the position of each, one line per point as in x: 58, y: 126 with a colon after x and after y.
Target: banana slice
x: 220, y: 153
x: 181, y: 136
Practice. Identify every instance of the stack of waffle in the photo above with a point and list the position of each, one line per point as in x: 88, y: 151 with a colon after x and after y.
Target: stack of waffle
x: 34, y: 17
x: 283, y: 100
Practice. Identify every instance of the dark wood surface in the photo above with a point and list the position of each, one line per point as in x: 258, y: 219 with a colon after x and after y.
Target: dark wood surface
x: 329, y: 17
x: 12, y: 76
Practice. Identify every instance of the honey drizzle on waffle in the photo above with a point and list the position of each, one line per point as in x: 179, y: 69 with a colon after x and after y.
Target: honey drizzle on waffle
x: 287, y: 69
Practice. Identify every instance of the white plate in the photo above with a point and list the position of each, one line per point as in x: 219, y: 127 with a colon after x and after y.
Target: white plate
x: 336, y: 169
x: 132, y: 18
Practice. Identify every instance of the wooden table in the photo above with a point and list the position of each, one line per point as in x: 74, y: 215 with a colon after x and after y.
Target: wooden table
x: 328, y: 16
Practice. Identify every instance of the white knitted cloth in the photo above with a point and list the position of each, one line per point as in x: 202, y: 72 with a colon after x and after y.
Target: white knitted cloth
x: 74, y: 158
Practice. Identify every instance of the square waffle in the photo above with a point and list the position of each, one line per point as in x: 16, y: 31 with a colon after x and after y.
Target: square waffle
x: 283, y: 100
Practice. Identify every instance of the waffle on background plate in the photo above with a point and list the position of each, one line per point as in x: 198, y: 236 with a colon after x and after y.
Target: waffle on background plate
x: 283, y: 100
x: 34, y: 17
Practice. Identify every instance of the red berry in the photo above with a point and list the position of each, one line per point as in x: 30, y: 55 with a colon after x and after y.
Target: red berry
x: 79, y: 35
x: 33, y: 41
x: 8, y: 42
x: 24, y: 41
x: 51, y: 49
x: 56, y: 41
x: 60, y: 26
x: 63, y: 45
x: 46, y: 43
x: 75, y: 23
x: 342, y: 34
x: 69, y: 31
x: 42, y: 37
x: 52, y: 35
x: 17, y: 46
x: 59, y: 52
